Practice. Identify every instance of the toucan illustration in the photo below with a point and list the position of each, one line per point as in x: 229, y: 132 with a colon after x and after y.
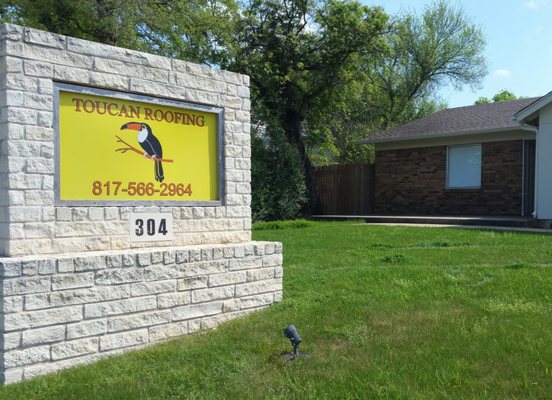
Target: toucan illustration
x: 150, y: 144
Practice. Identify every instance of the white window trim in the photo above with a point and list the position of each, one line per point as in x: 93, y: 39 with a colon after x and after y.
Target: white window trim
x: 480, y: 166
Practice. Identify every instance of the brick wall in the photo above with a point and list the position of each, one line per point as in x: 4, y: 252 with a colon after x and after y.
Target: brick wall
x: 413, y: 182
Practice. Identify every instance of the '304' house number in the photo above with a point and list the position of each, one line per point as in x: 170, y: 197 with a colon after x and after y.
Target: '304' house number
x: 151, y: 227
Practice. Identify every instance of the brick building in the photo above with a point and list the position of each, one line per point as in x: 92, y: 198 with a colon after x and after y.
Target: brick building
x: 474, y: 160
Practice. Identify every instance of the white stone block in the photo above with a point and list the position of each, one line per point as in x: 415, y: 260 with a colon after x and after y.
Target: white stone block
x: 169, y: 300
x: 260, y: 274
x: 65, y: 265
x: 125, y: 339
x: 119, y: 307
x: 43, y: 38
x: 89, y: 295
x: 259, y: 300
x: 37, y: 301
x: 196, y: 282
x: 12, y: 341
x: 17, y: 358
x: 35, y: 319
x: 12, y: 304
x: 40, y: 69
x: 86, y: 328
x: 248, y: 289
x: 118, y: 276
x: 50, y: 334
x: 203, y: 268
x: 74, y: 348
x: 121, y: 68
x: 212, y: 294
x: 13, y: 375
x: 138, y: 321
x: 18, y: 286
x: 145, y: 288
x: 273, y: 260
x: 164, y: 332
x: 231, y: 305
x: 56, y: 56
x: 245, y: 263
x: 117, y: 53
x: 20, y: 82
x: 10, y: 269
x: 13, y: 98
x: 196, y: 311
x: 72, y: 281
x: 38, y: 101
x: 110, y: 81
x: 90, y: 263
x: 11, y: 65
x: 46, y: 119
x: 227, y: 278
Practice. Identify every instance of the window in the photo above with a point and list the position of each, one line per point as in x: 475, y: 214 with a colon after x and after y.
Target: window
x: 464, y: 166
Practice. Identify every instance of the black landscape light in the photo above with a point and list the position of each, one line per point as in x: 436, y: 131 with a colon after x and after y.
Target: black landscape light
x: 293, y: 336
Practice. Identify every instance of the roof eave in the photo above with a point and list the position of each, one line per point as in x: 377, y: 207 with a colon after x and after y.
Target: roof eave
x: 532, y: 109
x: 437, y: 136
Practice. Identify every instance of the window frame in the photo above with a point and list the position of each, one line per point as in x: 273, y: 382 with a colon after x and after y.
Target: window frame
x: 447, y: 182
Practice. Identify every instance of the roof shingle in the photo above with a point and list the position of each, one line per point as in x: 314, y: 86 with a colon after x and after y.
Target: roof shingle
x: 478, y: 118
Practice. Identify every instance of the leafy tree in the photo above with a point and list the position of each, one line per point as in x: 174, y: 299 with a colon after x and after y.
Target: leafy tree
x: 195, y: 30
x: 441, y: 46
x: 503, y: 95
x: 297, y: 53
x: 482, y: 100
x: 395, y: 86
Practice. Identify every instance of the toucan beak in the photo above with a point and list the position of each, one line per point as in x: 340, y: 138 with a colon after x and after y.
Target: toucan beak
x: 132, y: 125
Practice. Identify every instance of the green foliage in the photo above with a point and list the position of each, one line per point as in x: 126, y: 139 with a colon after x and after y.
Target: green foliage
x: 482, y: 100
x: 297, y: 53
x: 279, y: 225
x: 503, y: 95
x: 439, y: 46
x: 198, y: 30
x: 277, y: 180
x: 397, y: 84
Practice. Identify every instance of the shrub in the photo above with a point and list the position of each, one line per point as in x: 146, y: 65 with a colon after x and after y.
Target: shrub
x: 277, y: 177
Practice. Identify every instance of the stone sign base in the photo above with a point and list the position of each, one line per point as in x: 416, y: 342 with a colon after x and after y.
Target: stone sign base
x: 63, y: 310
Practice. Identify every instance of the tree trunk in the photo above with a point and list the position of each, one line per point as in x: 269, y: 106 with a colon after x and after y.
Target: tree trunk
x: 292, y: 128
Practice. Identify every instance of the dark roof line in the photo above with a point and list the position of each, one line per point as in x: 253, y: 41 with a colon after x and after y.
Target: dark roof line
x: 459, y: 120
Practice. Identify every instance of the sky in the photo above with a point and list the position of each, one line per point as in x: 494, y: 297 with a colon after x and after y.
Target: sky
x: 519, y: 45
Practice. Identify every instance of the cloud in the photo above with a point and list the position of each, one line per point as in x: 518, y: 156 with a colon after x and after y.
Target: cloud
x: 536, y: 4
x: 502, y: 73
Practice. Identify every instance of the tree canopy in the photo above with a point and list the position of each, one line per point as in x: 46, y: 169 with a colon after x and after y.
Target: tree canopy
x: 503, y: 95
x: 194, y: 30
x: 324, y: 73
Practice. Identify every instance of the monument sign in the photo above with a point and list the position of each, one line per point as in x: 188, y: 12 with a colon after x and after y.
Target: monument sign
x: 125, y: 199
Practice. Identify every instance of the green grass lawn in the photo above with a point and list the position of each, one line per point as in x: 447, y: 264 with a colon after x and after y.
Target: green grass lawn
x: 384, y: 312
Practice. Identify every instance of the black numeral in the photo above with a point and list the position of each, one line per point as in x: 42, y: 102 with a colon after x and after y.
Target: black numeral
x: 150, y: 227
x: 140, y: 227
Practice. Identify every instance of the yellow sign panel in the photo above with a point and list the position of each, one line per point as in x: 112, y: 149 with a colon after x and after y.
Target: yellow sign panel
x: 125, y: 149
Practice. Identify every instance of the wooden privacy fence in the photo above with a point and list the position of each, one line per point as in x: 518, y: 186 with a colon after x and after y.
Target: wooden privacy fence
x: 345, y: 189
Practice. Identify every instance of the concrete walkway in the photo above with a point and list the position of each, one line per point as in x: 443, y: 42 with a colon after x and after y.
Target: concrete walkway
x: 452, y: 220
x: 486, y: 227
